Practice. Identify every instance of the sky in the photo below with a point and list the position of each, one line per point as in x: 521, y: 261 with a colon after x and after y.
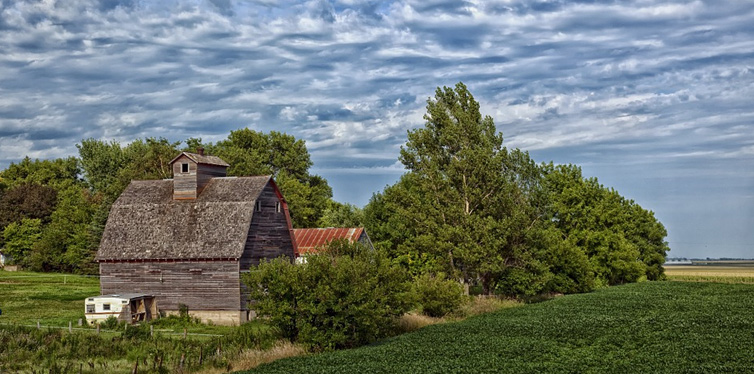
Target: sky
x: 654, y: 98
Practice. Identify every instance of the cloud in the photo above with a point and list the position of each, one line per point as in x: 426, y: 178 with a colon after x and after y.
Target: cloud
x: 645, y: 82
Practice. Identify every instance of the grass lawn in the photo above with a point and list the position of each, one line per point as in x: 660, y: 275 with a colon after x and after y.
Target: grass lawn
x: 650, y: 327
x: 52, y: 299
x: 55, y: 299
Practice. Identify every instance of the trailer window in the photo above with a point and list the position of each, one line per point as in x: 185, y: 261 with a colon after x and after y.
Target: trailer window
x: 105, y: 306
x: 90, y: 308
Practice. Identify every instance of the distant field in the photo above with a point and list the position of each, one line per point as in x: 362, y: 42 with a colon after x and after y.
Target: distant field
x: 649, y: 327
x: 726, y: 272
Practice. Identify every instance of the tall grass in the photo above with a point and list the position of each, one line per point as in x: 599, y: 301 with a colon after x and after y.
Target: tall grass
x: 25, y: 349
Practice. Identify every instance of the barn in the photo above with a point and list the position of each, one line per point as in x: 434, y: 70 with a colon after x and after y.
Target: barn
x: 188, y: 240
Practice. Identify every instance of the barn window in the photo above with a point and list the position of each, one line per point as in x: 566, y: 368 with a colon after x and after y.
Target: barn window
x: 278, y: 207
x: 105, y: 306
x: 90, y: 308
x: 258, y: 206
x: 184, y: 168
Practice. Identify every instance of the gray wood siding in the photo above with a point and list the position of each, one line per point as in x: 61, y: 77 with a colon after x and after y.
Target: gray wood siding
x: 184, y: 184
x: 205, y: 173
x: 269, y: 234
x: 202, y: 285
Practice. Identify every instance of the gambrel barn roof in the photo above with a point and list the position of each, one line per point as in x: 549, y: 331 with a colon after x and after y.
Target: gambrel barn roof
x: 146, y: 223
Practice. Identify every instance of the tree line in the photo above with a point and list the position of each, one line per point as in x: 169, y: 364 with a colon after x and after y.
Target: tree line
x: 492, y: 217
x: 53, y: 212
x: 468, y: 208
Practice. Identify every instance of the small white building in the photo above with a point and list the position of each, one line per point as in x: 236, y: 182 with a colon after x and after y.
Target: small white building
x: 130, y: 308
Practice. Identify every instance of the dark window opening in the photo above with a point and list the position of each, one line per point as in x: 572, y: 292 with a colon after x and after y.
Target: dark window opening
x: 105, y: 306
x: 184, y: 168
x: 90, y: 308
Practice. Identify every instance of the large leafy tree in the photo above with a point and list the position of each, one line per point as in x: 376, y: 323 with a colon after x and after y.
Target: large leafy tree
x: 108, y: 167
x: 623, y: 241
x: 284, y: 157
x: 464, y: 206
x: 20, y: 237
x: 475, y: 209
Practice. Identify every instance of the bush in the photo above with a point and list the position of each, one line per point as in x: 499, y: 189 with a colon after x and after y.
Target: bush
x: 436, y: 295
x: 111, y: 323
x: 344, y: 297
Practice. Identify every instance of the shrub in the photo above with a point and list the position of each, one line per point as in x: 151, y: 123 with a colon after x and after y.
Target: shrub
x: 436, y: 295
x: 111, y: 323
x: 345, y: 296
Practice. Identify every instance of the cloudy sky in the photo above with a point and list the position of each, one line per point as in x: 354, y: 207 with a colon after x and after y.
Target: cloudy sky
x: 655, y: 98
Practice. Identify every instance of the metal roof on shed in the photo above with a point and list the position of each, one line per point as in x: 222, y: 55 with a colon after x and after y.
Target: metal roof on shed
x: 310, y: 240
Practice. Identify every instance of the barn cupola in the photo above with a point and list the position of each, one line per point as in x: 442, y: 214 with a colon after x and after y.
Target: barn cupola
x: 192, y: 172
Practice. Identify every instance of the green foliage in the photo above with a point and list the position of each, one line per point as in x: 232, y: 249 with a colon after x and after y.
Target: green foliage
x: 344, y: 297
x: 68, y: 242
x: 623, y: 241
x: 20, y: 238
x: 58, y: 351
x: 647, y: 327
x: 27, y: 200
x: 285, y: 158
x: 490, y: 215
x: 436, y: 295
x: 342, y: 215
x: 111, y: 323
x: 108, y: 168
x: 58, y: 173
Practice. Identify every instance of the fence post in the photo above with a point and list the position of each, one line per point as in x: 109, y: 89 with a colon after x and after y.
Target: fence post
x: 98, y: 329
x: 70, y: 327
x: 81, y: 322
x: 38, y: 327
x: 151, y: 331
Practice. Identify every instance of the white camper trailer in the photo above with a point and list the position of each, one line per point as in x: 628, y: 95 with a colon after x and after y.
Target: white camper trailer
x: 130, y: 308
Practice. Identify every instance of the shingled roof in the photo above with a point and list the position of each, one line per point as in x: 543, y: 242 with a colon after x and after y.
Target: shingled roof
x: 145, y: 223
x: 310, y: 240
x: 202, y: 159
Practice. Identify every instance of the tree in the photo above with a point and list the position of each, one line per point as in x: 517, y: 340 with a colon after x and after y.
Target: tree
x: 69, y: 243
x: 27, y: 200
x: 58, y: 173
x: 345, y: 296
x: 20, y: 237
x: 342, y: 215
x: 466, y: 198
x: 285, y: 158
x: 623, y: 241
x: 108, y: 168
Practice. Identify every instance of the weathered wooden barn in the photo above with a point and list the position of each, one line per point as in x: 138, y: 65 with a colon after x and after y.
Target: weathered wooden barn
x: 309, y: 241
x: 187, y: 240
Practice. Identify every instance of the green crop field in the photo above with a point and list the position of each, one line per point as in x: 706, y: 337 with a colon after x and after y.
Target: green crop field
x: 650, y: 327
